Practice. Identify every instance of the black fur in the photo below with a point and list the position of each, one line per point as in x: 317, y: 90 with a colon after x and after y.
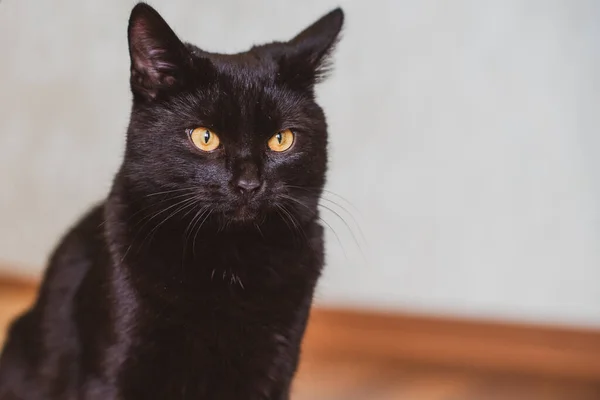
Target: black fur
x: 180, y: 285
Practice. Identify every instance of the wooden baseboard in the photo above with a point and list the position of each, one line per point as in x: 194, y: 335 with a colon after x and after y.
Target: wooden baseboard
x: 514, y: 348
x: 553, y: 351
x: 18, y: 281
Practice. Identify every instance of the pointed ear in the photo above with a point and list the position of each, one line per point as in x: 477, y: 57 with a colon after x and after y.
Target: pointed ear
x: 307, y: 61
x: 158, y: 58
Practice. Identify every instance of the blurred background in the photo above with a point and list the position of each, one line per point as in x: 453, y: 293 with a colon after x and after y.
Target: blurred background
x: 464, y: 157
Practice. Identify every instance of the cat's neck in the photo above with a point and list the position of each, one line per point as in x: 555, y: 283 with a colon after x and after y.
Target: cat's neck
x: 169, y: 253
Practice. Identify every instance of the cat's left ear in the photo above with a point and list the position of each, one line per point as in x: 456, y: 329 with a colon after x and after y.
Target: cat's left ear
x: 158, y: 58
x: 307, y: 60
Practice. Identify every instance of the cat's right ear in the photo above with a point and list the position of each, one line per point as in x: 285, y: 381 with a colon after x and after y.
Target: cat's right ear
x: 158, y: 58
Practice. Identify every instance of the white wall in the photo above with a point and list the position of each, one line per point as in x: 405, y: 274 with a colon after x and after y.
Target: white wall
x: 465, y: 133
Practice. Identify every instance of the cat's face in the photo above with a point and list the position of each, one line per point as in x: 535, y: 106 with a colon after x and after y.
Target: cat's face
x: 239, y: 134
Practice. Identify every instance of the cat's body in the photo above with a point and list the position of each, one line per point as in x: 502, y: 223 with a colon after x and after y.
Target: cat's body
x: 196, y: 334
x: 194, y: 279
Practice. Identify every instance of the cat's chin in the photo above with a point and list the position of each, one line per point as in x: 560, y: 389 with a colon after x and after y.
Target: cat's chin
x: 242, y: 215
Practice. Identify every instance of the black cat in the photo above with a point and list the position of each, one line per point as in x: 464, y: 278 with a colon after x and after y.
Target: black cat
x: 194, y: 279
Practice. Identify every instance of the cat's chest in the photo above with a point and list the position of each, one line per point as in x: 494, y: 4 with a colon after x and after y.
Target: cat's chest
x: 223, y: 355
x: 226, y: 324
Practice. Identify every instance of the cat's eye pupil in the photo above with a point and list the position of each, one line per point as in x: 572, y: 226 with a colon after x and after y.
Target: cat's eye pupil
x: 206, y: 136
x: 279, y: 137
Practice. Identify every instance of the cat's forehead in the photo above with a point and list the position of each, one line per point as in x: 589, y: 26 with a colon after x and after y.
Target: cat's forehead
x: 256, y: 64
x: 242, y: 92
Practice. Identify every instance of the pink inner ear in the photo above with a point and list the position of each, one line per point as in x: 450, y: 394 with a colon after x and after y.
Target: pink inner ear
x: 149, y: 54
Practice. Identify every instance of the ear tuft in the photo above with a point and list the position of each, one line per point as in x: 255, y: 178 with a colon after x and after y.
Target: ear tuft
x: 308, y: 60
x: 158, y: 57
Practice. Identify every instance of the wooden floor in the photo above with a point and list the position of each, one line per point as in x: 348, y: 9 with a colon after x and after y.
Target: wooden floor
x: 321, y: 379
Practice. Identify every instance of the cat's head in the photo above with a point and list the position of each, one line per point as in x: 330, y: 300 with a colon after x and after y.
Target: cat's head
x: 240, y: 133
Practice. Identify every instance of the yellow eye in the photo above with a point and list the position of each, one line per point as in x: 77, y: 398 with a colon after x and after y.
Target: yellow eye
x: 204, y: 139
x: 281, y: 141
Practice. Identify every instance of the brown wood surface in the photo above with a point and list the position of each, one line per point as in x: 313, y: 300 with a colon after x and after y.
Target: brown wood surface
x: 358, y: 355
x: 546, y: 350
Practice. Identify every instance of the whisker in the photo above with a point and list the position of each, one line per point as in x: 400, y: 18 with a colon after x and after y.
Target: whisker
x: 359, y: 241
x: 324, y: 193
x: 197, y: 231
x: 286, y: 197
x: 149, y: 218
x: 187, y: 203
x: 197, y: 217
x: 259, y: 230
x: 297, y: 224
x: 336, y: 237
x: 339, y: 196
x: 188, y: 229
x: 184, y: 202
x: 347, y: 226
x: 320, y: 219
x: 354, y: 220
x: 157, y: 203
x: 172, y: 191
x: 284, y: 217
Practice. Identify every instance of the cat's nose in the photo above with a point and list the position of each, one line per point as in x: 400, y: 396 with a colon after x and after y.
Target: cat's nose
x: 248, y: 181
x: 248, y: 185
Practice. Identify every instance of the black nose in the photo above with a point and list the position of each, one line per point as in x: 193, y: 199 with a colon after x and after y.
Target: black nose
x: 248, y: 185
